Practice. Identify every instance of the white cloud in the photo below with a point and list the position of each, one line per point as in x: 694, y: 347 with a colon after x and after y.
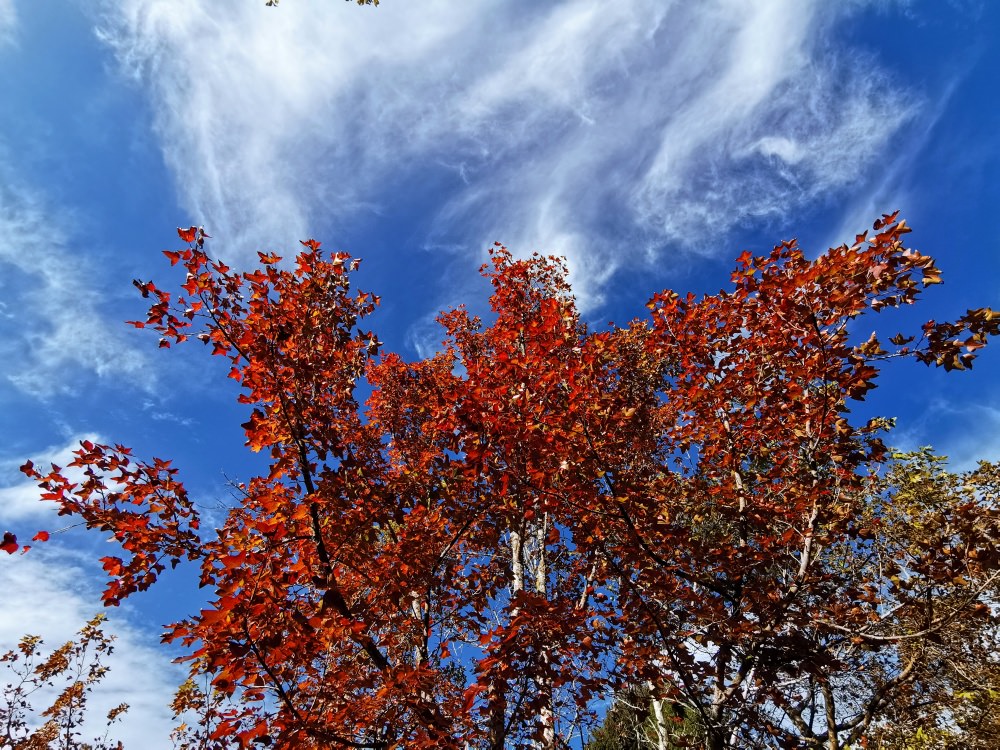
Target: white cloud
x: 53, y: 329
x: 609, y: 132
x: 8, y: 22
x: 782, y: 118
x: 425, y: 336
x: 967, y: 432
x: 43, y: 596
x: 892, y: 187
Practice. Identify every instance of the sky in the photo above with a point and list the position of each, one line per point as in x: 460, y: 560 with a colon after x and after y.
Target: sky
x: 649, y: 142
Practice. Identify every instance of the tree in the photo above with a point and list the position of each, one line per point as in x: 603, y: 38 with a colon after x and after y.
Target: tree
x: 77, y: 667
x: 538, y: 514
x: 953, y: 700
x: 638, y: 721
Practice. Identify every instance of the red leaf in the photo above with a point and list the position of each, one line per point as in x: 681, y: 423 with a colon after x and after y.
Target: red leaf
x: 9, y: 543
x: 113, y: 565
x: 41, y: 536
x: 188, y: 235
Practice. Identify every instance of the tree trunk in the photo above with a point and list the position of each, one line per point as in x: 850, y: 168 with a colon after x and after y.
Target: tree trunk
x: 547, y: 715
x: 660, y: 722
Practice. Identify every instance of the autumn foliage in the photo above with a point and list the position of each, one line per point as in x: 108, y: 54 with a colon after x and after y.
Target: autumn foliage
x: 67, y: 676
x: 505, y: 532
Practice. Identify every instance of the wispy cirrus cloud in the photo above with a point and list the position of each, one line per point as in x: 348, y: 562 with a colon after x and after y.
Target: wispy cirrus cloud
x: 8, y: 22
x: 53, y: 329
x: 611, y: 133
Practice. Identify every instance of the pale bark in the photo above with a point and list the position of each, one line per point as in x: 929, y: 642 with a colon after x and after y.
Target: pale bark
x: 660, y: 723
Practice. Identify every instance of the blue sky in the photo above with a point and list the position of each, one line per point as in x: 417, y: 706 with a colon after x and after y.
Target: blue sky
x: 649, y: 142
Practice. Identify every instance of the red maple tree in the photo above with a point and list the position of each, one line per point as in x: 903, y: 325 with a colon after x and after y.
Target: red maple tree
x: 506, y: 531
